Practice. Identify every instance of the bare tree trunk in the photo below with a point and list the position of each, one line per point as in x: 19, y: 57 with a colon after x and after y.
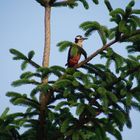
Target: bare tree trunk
x: 46, y: 54
x: 44, y: 97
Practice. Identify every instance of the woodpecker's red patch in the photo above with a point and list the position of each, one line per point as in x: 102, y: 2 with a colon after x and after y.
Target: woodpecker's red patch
x: 73, y: 61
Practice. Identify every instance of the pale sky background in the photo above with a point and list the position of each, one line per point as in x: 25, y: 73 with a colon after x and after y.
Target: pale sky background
x: 22, y: 28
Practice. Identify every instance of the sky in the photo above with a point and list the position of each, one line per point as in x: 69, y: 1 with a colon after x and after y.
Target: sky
x: 22, y: 28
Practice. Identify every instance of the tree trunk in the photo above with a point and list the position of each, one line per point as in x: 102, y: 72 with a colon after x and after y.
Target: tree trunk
x: 46, y: 54
x: 44, y: 97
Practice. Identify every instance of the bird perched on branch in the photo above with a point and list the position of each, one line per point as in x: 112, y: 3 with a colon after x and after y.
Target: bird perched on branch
x: 75, y: 51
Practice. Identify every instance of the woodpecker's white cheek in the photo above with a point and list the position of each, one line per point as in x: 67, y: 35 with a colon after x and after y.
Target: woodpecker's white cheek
x: 79, y: 44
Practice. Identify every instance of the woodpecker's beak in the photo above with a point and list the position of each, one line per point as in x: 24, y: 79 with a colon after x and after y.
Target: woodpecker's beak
x: 84, y: 38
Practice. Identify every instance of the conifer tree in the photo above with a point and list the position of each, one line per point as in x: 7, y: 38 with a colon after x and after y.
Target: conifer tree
x: 101, y: 97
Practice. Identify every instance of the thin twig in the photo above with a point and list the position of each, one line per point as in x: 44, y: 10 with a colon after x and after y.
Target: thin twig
x: 33, y: 63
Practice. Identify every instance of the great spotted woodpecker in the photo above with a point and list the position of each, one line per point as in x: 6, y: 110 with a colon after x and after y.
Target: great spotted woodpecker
x: 75, y: 51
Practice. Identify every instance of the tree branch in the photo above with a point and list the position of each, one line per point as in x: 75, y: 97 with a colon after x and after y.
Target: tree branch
x: 121, y: 39
x: 33, y: 63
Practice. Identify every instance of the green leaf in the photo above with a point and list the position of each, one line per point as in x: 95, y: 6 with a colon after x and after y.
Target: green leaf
x: 128, y: 122
x: 51, y: 115
x: 129, y: 7
x: 18, y: 54
x: 60, y: 4
x: 51, y: 2
x: 100, y: 133
x: 132, y: 24
x: 61, y: 104
x: 110, y: 128
x: 75, y: 83
x: 80, y: 109
x: 13, y: 94
x: 75, y: 136
x: 131, y: 3
x: 63, y: 45
x: 65, y: 125
x: 85, y: 4
x: 106, y: 31
x: 117, y: 134
x: 89, y: 32
x: 41, y: 2
x: 117, y: 11
x: 24, y: 65
x: 44, y: 87
x: 69, y: 3
x: 55, y: 72
x: 77, y: 74
x: 133, y: 58
x: 123, y: 92
x: 30, y: 55
x: 119, y: 118
x: 122, y: 26
x: 69, y: 132
x: 136, y: 11
x: 58, y: 68
x: 110, y: 52
x: 72, y: 3
x: 112, y: 96
x: 26, y: 102
x: 27, y: 75
x: 116, y: 19
x: 23, y: 82
x: 62, y: 83
x: 48, y: 71
x: 108, y: 62
x: 119, y: 61
x: 136, y: 19
x: 128, y: 99
x: 70, y: 71
x: 4, y: 114
x: 136, y: 106
x: 90, y: 26
x: 96, y: 1
x: 91, y: 110
x: 111, y: 35
x: 102, y: 92
x: 108, y: 5
x: 102, y: 36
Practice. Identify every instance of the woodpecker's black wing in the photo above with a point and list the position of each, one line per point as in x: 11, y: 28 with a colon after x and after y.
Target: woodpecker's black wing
x: 69, y: 55
x: 82, y: 51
